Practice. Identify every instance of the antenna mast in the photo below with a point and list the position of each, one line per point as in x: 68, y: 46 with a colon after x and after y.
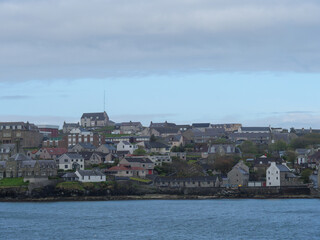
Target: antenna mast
x: 104, y: 100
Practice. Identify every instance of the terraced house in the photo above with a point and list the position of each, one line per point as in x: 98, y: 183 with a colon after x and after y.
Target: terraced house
x: 20, y: 165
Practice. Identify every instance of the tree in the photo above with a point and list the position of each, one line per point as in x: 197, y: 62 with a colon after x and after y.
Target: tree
x: 224, y: 164
x: 140, y: 151
x: 278, y: 146
x: 305, y: 175
x: 249, y: 147
x: 291, y: 157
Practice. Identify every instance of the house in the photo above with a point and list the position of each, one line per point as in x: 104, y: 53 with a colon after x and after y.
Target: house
x: 258, y: 138
x: 180, y: 155
x: 50, y: 153
x: 7, y: 150
x: 202, y: 136
x: 95, y: 158
x: 262, y: 163
x: 239, y: 175
x: 49, y: 130
x: 19, y: 165
x: 70, y: 176
x: 175, y: 140
x: 130, y: 127
x: 141, y: 162
x: 302, y: 155
x: 71, y: 161
x: 67, y: 127
x: 127, y: 171
x: 201, y: 126
x: 155, y: 147
x: 81, y: 135
x: 228, y: 127
x: 159, y: 159
x: 90, y: 176
x: 254, y: 130
x: 314, y: 159
x: 25, y: 135
x: 126, y: 146
x: 223, y: 149
x: 100, y: 119
x: 192, y: 182
x: 107, y: 148
x: 82, y: 147
x: 279, y: 175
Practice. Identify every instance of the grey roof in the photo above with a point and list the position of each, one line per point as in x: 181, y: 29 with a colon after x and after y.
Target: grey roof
x: 131, y: 124
x: 73, y: 155
x: 164, y: 130
x: 70, y: 175
x: 110, y: 147
x: 138, y: 159
x: 19, y: 157
x: 150, y: 145
x: 28, y: 163
x: 200, y: 125
x: 302, y: 151
x: 97, y: 116
x: 86, y: 155
x: 70, y: 124
x: 164, y: 124
x: 283, y: 168
x: 126, y: 143
x: 90, y: 173
x: 87, y: 145
x: 47, y: 163
x: 255, y: 129
x: 8, y: 146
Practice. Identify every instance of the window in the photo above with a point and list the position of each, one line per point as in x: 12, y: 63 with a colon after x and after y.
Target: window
x: 276, y: 172
x: 277, y: 178
x: 268, y: 178
x: 66, y: 160
x: 65, y: 166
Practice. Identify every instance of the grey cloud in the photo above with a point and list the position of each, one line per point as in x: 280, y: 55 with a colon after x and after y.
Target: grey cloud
x: 15, y: 97
x: 70, y: 39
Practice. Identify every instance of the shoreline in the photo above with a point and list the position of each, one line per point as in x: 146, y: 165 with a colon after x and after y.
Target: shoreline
x: 149, y: 197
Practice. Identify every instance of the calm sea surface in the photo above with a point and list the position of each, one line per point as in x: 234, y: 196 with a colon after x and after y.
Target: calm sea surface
x: 160, y: 219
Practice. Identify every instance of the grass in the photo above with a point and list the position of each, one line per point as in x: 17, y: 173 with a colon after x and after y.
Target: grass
x: 70, y: 186
x: 13, y: 182
x: 140, y: 180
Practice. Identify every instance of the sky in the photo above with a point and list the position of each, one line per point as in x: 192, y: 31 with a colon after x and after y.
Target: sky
x: 252, y: 62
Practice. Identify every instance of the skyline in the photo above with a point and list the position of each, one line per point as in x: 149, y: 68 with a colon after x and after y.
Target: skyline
x: 254, y: 62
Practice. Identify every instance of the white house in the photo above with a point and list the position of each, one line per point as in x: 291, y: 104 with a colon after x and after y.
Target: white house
x: 90, y: 176
x: 71, y: 161
x: 126, y: 146
x: 280, y: 175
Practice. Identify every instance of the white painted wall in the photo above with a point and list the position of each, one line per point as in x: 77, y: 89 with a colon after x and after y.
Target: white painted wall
x: 273, y: 176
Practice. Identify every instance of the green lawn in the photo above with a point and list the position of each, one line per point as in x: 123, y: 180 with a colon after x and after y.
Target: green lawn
x: 12, y: 182
x: 70, y: 186
x: 140, y: 180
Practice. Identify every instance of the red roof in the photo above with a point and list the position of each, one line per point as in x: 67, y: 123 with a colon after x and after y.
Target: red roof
x: 57, y: 151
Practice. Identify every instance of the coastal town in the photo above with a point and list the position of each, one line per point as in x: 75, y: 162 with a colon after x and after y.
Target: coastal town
x: 164, y: 156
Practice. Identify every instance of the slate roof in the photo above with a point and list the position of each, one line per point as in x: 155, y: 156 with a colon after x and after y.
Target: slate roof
x: 69, y: 175
x: 73, y: 155
x: 283, y: 168
x: 19, y: 157
x: 56, y: 151
x: 110, y: 147
x: 200, y: 125
x: 164, y: 130
x: 125, y: 168
x: 127, y: 124
x: 86, y: 155
x: 150, y: 145
x: 255, y: 129
x: 96, y: 116
x: 90, y: 173
x: 87, y: 146
x: 302, y: 151
x: 138, y: 159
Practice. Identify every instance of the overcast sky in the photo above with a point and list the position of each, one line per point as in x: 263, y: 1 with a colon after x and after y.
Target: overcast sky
x: 255, y: 62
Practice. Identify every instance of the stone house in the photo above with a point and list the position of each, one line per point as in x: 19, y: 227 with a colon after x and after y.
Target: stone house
x: 130, y: 127
x: 224, y: 149
x: 192, y: 182
x: 155, y: 147
x: 82, y: 147
x: 7, y: 150
x: 239, y: 175
x: 50, y: 153
x: 100, y: 119
x: 90, y: 176
x: 25, y: 135
x: 279, y: 175
x: 71, y: 161
x: 107, y: 148
x: 67, y: 127
x: 20, y: 165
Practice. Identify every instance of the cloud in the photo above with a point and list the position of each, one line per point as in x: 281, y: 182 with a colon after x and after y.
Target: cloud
x: 15, y: 97
x: 69, y: 39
